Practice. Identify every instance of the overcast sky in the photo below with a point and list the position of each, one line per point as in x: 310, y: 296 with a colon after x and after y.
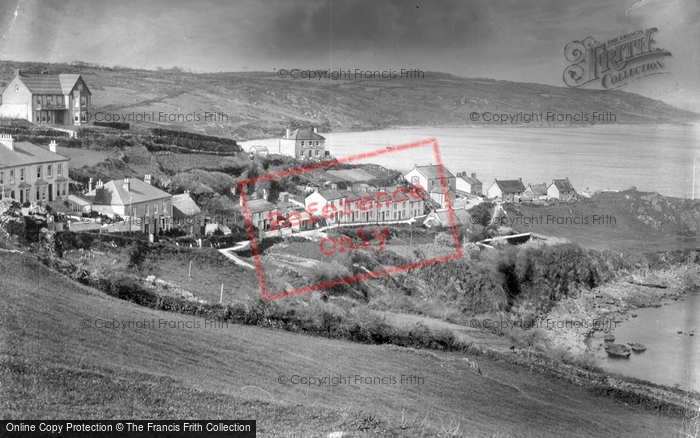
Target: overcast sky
x: 502, y: 39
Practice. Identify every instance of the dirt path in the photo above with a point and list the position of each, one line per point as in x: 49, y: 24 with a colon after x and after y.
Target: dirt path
x: 463, y: 333
x: 238, y: 261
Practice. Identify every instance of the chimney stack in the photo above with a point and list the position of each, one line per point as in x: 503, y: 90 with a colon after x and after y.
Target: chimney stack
x: 100, y: 184
x: 7, y: 141
x: 127, y: 184
x: 18, y: 71
x: 265, y: 194
x: 147, y: 179
x: 287, y: 136
x: 52, y: 146
x: 473, y: 175
x: 90, y: 185
x: 315, y: 129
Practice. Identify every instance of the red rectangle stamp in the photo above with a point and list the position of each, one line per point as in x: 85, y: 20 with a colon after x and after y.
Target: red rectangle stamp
x: 333, y: 208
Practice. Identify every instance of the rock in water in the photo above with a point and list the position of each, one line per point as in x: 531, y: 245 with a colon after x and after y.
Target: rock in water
x: 636, y: 346
x: 609, y: 337
x: 619, y: 350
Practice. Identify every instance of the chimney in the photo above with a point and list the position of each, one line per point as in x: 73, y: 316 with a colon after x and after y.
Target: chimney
x: 18, y: 71
x: 52, y: 146
x: 334, y: 186
x: 127, y: 184
x: 147, y: 179
x: 187, y: 192
x: 90, y: 185
x: 315, y: 129
x: 473, y: 175
x: 287, y: 136
x: 520, y: 179
x: 100, y: 184
x: 7, y: 141
x: 265, y: 194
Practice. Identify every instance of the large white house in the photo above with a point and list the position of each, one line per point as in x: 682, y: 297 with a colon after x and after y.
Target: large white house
x: 303, y: 143
x: 32, y: 173
x: 61, y: 99
x: 429, y: 178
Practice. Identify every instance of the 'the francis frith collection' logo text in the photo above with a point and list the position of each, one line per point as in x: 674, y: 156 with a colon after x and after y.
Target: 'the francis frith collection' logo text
x: 616, y: 62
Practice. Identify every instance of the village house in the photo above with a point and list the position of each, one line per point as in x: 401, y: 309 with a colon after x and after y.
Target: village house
x: 324, y: 202
x: 32, y: 173
x: 429, y: 178
x: 387, y: 204
x: 260, y: 211
x: 186, y: 213
x: 561, y: 189
x: 303, y: 143
x: 535, y: 191
x: 468, y: 185
x: 61, y: 99
x: 147, y: 208
x: 506, y: 190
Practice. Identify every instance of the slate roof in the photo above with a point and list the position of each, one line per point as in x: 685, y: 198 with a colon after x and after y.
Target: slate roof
x: 184, y: 205
x: 470, y: 180
x: 330, y: 194
x: 258, y: 205
x: 305, y: 134
x: 26, y: 153
x: 510, y: 185
x: 113, y: 193
x: 538, y: 189
x: 50, y: 84
x: 432, y: 172
x: 563, y: 185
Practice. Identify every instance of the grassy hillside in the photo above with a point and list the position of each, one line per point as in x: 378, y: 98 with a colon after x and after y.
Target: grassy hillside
x: 260, y: 104
x: 55, y: 363
x: 628, y: 221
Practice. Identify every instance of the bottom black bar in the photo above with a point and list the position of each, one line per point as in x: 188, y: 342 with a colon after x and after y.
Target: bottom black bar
x: 128, y: 428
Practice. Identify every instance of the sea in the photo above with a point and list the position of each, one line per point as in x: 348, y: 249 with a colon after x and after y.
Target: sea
x: 671, y: 334
x: 654, y: 158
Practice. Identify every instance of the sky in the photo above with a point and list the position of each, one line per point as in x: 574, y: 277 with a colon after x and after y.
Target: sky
x: 512, y: 40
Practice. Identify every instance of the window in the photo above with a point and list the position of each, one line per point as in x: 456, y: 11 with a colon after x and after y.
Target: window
x: 83, y: 101
x: 80, y: 87
x: 49, y: 169
x: 12, y: 176
x: 59, y: 170
x: 16, y: 91
x: 155, y: 208
x: 21, y: 174
x: 63, y: 189
x: 316, y: 142
x: 38, y: 171
x: 2, y: 178
x: 302, y: 143
x: 59, y: 100
x: 317, y: 152
x: 12, y: 194
x: 38, y: 194
x: 43, y: 193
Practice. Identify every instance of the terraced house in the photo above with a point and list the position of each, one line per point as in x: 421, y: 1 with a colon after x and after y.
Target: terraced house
x: 61, y: 99
x: 147, y: 207
x: 32, y: 173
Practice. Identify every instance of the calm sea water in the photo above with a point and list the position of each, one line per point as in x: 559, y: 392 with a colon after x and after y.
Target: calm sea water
x: 671, y: 358
x: 651, y: 158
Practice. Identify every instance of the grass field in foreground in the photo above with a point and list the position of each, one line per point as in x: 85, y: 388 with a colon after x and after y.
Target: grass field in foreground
x: 55, y: 363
